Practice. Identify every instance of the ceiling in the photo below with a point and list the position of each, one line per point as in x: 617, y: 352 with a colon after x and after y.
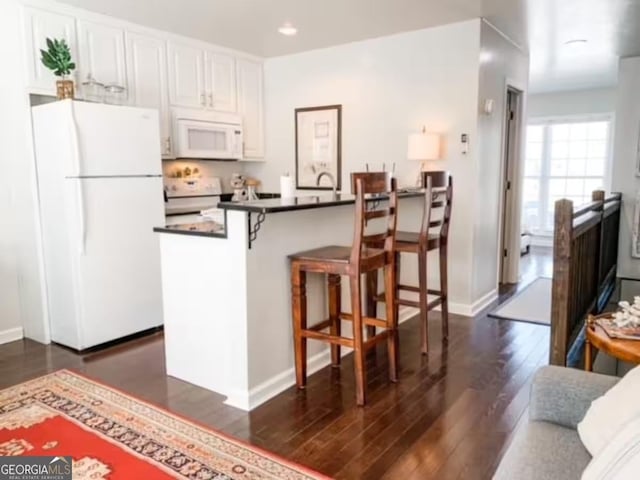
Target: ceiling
x: 612, y: 27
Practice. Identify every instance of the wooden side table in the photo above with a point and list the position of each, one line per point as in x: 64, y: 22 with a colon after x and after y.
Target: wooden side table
x: 625, y: 350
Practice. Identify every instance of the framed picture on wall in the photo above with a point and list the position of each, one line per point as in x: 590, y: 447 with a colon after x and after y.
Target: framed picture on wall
x: 638, y: 154
x: 318, y: 147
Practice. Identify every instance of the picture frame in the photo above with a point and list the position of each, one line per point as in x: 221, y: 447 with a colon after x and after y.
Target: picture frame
x: 318, y: 144
x: 635, y: 228
x: 638, y: 154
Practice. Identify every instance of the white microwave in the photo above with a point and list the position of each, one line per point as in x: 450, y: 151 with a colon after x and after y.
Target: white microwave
x: 208, y: 135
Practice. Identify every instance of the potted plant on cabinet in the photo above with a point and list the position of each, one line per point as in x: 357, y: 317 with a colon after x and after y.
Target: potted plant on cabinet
x: 57, y: 58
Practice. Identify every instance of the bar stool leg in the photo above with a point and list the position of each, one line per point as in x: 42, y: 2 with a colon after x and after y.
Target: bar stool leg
x: 392, y: 320
x: 372, y: 302
x: 422, y: 301
x: 299, y: 310
x: 396, y: 282
x: 335, y: 305
x: 444, y: 292
x: 358, y: 342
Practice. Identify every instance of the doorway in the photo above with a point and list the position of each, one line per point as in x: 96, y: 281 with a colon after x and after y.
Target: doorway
x: 509, y: 231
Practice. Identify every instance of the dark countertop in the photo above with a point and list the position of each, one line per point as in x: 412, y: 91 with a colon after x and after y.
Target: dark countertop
x: 225, y: 197
x: 177, y: 211
x: 275, y: 205
x: 200, y: 229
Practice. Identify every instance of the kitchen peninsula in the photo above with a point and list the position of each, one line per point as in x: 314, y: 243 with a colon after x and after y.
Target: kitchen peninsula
x: 227, y: 294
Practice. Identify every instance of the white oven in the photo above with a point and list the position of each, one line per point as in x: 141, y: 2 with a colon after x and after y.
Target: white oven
x: 208, y: 135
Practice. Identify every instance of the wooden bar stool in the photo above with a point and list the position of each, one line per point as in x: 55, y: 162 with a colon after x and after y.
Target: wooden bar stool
x: 438, y: 194
x: 353, y: 261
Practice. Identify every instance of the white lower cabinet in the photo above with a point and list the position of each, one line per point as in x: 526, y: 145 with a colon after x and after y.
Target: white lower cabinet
x: 250, y: 106
x: 38, y: 26
x: 147, y: 73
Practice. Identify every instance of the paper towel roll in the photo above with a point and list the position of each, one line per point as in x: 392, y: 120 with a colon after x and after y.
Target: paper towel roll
x: 287, y: 187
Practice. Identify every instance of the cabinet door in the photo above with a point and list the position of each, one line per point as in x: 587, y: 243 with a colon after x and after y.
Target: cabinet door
x: 39, y: 25
x: 186, y: 76
x: 221, y: 82
x: 101, y: 49
x: 250, y: 106
x: 147, y: 73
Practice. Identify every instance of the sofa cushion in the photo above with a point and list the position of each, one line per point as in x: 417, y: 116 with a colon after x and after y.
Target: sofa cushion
x: 609, y: 413
x: 563, y: 395
x: 620, y: 458
x: 544, y: 451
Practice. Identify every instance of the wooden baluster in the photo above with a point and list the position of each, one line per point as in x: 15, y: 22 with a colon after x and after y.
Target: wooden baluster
x: 561, y: 288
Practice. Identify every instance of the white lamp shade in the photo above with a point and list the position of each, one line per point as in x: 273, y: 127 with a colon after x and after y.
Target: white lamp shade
x: 424, y: 146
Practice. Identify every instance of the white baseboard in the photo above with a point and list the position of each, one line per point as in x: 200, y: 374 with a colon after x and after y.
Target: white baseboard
x: 278, y: 383
x: 406, y: 313
x: 455, y: 308
x: 541, y: 241
x: 11, y: 335
x: 482, y: 303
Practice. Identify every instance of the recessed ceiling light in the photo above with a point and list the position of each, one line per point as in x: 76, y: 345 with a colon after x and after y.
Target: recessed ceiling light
x: 288, y: 29
x: 575, y: 41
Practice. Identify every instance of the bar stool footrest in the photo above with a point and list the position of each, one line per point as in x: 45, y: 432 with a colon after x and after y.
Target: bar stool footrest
x: 409, y: 288
x: 325, y: 337
x: 376, y: 339
x: 370, y: 321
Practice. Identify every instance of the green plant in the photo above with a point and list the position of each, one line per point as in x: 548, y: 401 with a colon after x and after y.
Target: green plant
x: 57, y: 57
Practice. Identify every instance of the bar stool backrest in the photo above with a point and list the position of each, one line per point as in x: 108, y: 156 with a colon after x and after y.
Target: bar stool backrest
x: 373, y: 183
x: 442, y: 183
x: 423, y: 238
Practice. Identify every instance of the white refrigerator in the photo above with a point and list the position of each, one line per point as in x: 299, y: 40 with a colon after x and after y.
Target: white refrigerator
x: 100, y: 194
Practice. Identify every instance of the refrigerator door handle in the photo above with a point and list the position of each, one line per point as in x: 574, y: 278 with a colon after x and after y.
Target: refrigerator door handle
x: 75, y: 140
x: 82, y: 227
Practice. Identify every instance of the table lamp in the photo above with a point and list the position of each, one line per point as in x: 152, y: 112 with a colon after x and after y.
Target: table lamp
x: 423, y: 146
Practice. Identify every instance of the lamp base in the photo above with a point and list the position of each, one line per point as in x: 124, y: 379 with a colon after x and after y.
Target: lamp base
x: 419, y: 176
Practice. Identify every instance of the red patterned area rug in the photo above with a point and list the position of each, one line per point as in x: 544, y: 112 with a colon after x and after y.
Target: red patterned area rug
x: 113, y: 436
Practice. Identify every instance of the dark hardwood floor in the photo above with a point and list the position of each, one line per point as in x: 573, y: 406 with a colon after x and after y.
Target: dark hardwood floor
x: 450, y: 416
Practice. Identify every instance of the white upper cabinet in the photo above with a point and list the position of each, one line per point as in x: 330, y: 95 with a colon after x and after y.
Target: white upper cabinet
x: 147, y: 74
x: 250, y: 106
x: 158, y: 70
x: 101, y: 49
x: 186, y: 76
x: 221, y: 82
x: 201, y: 79
x: 40, y: 24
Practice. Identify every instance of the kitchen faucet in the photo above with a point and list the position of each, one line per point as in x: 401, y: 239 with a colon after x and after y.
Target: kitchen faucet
x: 331, y: 179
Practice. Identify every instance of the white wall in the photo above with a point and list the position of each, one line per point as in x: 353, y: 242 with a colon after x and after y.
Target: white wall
x: 625, y: 157
x: 501, y: 63
x: 388, y: 87
x: 21, y: 301
x: 10, y: 324
x: 577, y: 102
